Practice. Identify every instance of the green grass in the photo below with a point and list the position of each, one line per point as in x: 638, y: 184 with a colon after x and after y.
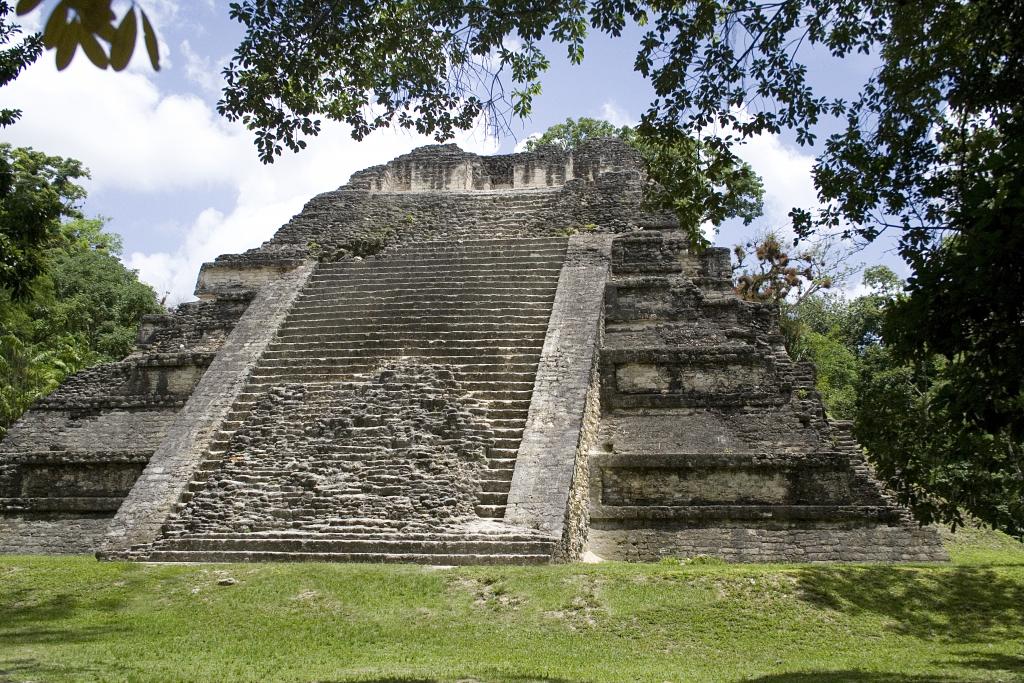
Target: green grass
x: 74, y: 619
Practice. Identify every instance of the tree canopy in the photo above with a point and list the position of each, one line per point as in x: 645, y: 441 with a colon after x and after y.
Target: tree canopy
x: 106, y: 40
x: 15, y: 58
x: 83, y: 308
x: 36, y: 192
x: 938, y: 463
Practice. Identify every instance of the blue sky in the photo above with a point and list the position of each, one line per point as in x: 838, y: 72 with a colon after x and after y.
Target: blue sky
x: 181, y: 185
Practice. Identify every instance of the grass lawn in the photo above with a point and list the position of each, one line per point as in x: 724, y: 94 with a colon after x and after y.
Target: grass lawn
x: 75, y: 619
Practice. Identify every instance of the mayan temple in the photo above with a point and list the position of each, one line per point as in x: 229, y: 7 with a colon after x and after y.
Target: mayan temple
x: 455, y: 359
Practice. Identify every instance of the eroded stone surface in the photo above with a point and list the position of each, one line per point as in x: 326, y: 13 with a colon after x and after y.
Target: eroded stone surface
x: 712, y: 442
x: 403, y: 450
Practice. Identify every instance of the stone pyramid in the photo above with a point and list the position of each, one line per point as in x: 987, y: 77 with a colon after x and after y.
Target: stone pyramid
x: 455, y: 359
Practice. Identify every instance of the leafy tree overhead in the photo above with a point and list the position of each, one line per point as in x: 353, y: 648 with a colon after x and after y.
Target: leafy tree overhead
x: 696, y: 186
x: 93, y: 25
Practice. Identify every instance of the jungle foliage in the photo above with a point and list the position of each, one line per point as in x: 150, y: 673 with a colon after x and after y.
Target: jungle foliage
x: 82, y: 309
x: 939, y: 464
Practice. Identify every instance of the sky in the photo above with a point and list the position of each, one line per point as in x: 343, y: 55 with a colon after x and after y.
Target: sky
x: 181, y: 185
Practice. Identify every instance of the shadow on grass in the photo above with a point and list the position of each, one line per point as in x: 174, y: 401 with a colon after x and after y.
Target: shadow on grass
x: 852, y: 676
x: 468, y: 679
x: 964, y: 605
x: 989, y: 661
x: 27, y: 620
x: 20, y: 670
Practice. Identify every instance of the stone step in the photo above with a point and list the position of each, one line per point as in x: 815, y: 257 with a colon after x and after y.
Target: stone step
x: 345, y: 356
x: 494, y: 498
x: 504, y: 251
x: 540, y: 260
x: 405, y: 308
x: 372, y: 544
x: 385, y: 322
x: 477, y: 372
x: 485, y: 394
x: 501, y: 303
x: 696, y: 514
x: 426, y: 355
x: 397, y: 283
x: 509, y: 248
x: 711, y: 460
x: 500, y: 475
x: 490, y: 511
x: 414, y: 331
x: 403, y: 558
x: 415, y: 347
x: 317, y: 372
x: 541, y: 266
x: 510, y: 278
x: 402, y: 292
x: 496, y: 485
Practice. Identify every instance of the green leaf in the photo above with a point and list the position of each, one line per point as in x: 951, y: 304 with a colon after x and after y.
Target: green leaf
x: 151, y: 43
x: 68, y: 45
x: 93, y: 50
x: 56, y: 26
x: 123, y: 44
x: 26, y: 6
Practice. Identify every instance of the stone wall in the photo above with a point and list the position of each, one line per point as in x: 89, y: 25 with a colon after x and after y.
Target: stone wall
x: 712, y: 442
x: 199, y: 326
x: 51, y: 534
x: 437, y: 168
x: 426, y: 195
x: 281, y: 416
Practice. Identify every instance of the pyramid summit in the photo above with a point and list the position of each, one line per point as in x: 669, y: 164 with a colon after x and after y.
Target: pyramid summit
x: 455, y: 359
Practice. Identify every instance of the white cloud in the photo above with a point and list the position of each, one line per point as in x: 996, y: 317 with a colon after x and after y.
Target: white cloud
x: 200, y: 70
x: 137, y: 140
x: 786, y: 175
x: 128, y: 134
x: 616, y: 115
x: 521, y: 145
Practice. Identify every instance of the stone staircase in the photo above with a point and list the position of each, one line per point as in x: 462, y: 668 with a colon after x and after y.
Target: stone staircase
x: 474, y: 314
x: 712, y: 440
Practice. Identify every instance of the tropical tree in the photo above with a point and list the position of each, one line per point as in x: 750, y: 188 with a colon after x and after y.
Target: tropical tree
x: 83, y: 308
x: 36, y: 192
x: 15, y: 58
x: 942, y: 466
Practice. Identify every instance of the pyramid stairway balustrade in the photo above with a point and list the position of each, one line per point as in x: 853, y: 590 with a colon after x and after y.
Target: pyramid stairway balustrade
x: 480, y: 311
